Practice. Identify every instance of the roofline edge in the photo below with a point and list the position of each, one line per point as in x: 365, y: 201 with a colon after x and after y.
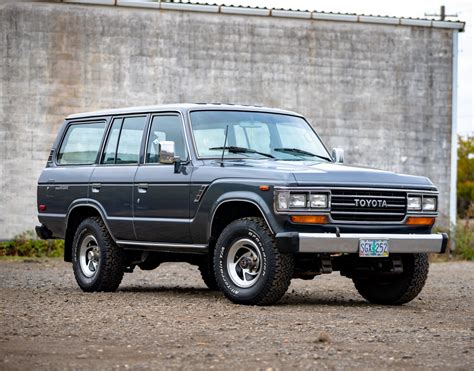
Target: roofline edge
x: 178, y: 107
x: 277, y: 13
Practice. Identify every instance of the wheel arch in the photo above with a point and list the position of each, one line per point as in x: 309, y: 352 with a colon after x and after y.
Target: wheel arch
x: 233, y: 208
x: 76, y: 214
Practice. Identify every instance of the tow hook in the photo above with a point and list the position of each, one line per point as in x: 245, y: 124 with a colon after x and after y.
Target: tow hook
x: 326, y: 264
x: 397, y: 265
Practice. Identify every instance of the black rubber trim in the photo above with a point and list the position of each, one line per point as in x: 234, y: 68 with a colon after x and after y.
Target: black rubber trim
x: 288, y: 242
x: 444, y: 244
x: 43, y: 232
x: 167, y: 249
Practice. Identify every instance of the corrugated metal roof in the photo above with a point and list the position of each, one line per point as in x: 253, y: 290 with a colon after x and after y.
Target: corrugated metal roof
x: 274, y: 12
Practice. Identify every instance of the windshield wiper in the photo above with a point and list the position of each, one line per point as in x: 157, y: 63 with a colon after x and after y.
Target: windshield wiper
x: 300, y: 152
x: 234, y: 149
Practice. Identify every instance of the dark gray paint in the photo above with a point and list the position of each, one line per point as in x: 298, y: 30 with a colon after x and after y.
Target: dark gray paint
x: 167, y: 213
x: 114, y: 186
x: 161, y: 201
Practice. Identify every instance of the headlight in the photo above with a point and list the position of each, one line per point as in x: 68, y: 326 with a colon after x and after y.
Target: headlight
x: 286, y: 200
x: 319, y: 200
x: 297, y: 201
x: 282, y: 200
x: 429, y: 203
x: 414, y: 203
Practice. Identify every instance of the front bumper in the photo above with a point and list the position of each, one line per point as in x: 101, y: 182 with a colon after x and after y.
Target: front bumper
x: 333, y: 243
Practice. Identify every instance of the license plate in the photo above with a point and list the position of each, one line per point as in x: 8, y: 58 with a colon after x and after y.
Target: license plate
x: 373, y: 248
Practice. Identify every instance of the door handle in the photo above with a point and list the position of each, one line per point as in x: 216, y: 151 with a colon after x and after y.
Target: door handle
x: 96, y: 187
x: 142, y: 187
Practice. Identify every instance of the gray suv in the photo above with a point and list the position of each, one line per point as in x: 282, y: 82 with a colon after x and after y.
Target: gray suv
x: 248, y: 194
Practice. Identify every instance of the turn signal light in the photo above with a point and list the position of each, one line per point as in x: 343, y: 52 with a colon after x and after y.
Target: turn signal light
x: 309, y: 219
x: 414, y: 220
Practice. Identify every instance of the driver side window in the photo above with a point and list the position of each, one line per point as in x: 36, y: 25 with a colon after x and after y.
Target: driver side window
x: 165, y: 128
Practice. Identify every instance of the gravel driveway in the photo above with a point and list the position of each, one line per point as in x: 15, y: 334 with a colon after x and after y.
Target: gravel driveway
x: 166, y: 318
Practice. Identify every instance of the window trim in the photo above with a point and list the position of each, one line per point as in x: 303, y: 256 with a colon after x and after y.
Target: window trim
x: 109, y: 129
x: 186, y: 143
x: 203, y: 158
x: 106, y: 140
x: 63, y: 137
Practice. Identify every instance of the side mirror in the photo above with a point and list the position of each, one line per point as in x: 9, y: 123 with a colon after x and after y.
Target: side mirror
x: 338, y: 155
x: 166, y: 152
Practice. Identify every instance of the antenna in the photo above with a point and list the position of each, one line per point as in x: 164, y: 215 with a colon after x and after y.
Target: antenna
x: 442, y: 14
x: 225, y: 142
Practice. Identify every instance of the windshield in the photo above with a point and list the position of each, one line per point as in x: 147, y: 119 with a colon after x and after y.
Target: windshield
x: 255, y: 135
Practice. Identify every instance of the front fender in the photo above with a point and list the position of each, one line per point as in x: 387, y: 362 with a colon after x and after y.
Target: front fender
x: 219, y: 194
x: 245, y: 196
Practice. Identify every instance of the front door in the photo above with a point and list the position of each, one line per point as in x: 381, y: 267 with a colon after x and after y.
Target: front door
x: 161, y: 196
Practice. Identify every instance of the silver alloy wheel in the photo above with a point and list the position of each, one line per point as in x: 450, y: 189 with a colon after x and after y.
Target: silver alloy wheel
x: 244, y: 263
x: 89, y: 256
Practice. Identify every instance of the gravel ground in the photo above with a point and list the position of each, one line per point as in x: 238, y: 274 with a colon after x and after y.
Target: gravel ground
x: 166, y: 318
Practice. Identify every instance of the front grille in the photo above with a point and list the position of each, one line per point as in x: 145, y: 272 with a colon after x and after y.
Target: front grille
x: 368, y: 205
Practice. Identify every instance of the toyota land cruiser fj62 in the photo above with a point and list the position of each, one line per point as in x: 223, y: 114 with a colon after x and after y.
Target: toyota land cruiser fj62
x: 250, y: 195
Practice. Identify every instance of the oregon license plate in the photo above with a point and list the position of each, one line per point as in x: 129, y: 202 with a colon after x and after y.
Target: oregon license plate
x: 373, y: 248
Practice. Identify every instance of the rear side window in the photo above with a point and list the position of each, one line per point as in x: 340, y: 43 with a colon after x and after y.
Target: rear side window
x: 125, y: 138
x: 111, y: 148
x: 81, y: 144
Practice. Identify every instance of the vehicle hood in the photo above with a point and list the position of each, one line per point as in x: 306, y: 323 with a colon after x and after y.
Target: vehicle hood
x: 312, y: 173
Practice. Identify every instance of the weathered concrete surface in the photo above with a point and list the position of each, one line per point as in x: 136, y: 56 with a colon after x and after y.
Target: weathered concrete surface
x: 382, y: 92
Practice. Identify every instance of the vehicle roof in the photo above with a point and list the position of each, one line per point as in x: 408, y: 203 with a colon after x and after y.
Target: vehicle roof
x: 182, y: 107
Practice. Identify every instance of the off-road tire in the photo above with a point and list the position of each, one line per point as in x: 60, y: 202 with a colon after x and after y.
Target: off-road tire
x: 397, y: 289
x: 207, y: 274
x: 110, y: 269
x: 277, y: 267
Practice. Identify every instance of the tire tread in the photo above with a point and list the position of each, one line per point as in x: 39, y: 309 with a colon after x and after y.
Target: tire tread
x: 111, y: 269
x: 207, y: 276
x: 283, y: 270
x: 408, y: 290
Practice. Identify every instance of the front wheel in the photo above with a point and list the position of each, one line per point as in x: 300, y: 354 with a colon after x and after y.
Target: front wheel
x: 248, y: 267
x: 398, y: 288
x: 98, y: 263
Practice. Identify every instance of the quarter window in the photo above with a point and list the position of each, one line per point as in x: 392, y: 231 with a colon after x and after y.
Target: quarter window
x: 81, y: 144
x: 125, y: 138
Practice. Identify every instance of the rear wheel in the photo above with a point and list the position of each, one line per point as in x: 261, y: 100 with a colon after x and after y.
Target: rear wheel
x: 97, y: 262
x: 398, y: 288
x: 248, y: 267
x: 207, y: 274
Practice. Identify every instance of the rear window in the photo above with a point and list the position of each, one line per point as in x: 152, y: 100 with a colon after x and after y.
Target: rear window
x: 81, y: 144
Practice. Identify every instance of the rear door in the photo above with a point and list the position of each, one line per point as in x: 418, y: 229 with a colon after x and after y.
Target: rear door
x: 111, y: 183
x: 161, y: 196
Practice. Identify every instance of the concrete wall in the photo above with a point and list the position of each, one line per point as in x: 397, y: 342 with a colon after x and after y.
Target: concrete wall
x: 382, y: 92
